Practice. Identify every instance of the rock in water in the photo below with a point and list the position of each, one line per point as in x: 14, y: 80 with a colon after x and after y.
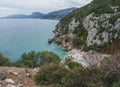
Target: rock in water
x: 50, y: 40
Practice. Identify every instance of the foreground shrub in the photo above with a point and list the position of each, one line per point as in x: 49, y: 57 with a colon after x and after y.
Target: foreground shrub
x: 55, y: 74
x: 110, y: 70
x: 52, y: 74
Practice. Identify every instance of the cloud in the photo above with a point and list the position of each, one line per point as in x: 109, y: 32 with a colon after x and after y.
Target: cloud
x: 28, y: 6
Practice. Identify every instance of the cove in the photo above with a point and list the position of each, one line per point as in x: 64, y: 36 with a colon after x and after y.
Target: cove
x: 24, y: 35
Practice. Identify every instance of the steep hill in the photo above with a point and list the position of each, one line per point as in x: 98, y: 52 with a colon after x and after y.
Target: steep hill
x: 92, y: 27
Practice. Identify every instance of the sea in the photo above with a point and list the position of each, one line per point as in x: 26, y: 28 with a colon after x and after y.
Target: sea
x: 24, y: 35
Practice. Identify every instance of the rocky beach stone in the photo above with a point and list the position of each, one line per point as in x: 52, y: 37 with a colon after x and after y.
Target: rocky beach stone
x: 12, y: 72
x: 9, y: 81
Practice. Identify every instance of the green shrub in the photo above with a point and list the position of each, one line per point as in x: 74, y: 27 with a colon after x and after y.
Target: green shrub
x: 34, y: 59
x: 72, y: 64
x: 46, y: 56
x: 110, y: 70
x: 113, y: 19
x: 116, y: 84
x: 4, y: 61
x: 52, y: 74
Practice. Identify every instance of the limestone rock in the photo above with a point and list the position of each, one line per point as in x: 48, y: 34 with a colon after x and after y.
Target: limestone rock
x: 9, y: 81
x: 86, y: 59
x: 12, y: 72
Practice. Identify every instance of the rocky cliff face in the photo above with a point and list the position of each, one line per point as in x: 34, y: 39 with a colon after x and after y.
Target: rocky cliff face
x: 102, y: 26
x: 100, y: 30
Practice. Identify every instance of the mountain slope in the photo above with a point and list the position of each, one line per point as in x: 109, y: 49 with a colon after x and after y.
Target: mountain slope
x: 59, y: 14
x: 91, y: 27
x: 52, y: 15
x: 37, y: 15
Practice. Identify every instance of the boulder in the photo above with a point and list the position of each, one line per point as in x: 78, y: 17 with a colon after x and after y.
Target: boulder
x: 9, y: 81
x: 12, y: 72
x: 50, y: 40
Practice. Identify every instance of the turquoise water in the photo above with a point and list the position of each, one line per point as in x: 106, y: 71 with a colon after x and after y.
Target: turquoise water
x: 23, y: 35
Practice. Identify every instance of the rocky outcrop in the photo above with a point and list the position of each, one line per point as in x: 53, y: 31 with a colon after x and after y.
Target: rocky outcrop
x: 100, y: 30
x: 73, y: 24
x: 97, y: 27
x: 65, y: 39
x: 86, y: 59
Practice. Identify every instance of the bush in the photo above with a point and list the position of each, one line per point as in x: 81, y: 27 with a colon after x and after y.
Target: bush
x: 107, y: 75
x: 113, y: 19
x: 46, y: 56
x: 55, y: 74
x: 77, y: 42
x: 72, y: 64
x: 75, y: 78
x: 52, y: 74
x: 116, y: 84
x: 35, y: 59
x: 4, y: 61
x: 110, y: 70
x: 81, y: 38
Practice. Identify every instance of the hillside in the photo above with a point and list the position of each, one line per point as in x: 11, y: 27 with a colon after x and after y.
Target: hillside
x: 51, y: 15
x: 95, y: 26
x: 58, y: 14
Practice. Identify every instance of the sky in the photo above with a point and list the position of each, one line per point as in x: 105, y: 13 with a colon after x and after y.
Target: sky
x: 8, y: 7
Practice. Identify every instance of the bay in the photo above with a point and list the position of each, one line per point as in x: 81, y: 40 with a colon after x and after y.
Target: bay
x: 24, y: 35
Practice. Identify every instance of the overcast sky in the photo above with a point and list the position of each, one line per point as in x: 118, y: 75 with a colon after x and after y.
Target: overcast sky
x: 8, y: 7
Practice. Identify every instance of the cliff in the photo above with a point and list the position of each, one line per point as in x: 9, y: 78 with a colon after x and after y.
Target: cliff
x: 92, y: 27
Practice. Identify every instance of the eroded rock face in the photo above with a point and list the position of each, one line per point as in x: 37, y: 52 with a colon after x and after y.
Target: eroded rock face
x: 100, y: 30
x: 86, y: 59
x: 73, y: 24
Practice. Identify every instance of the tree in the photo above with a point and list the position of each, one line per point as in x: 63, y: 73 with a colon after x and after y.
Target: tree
x: 4, y: 61
x: 34, y: 59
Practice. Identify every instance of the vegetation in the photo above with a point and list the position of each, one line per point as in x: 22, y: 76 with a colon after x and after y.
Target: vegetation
x: 35, y: 59
x: 107, y: 75
x: 113, y: 19
x: 81, y: 37
x: 4, y: 61
x: 53, y: 74
x: 46, y: 56
x: 98, y: 7
x: 72, y: 64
